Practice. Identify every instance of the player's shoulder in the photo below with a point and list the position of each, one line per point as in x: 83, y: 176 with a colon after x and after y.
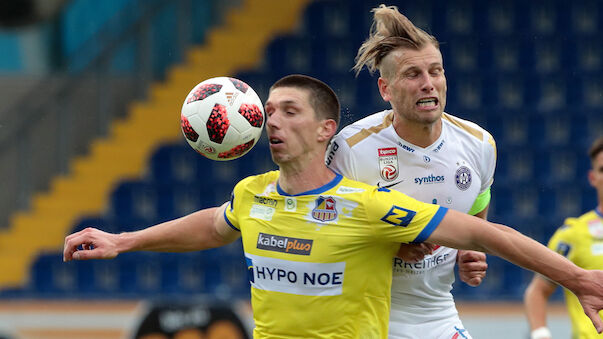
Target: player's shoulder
x: 259, y: 180
x: 573, y: 225
x: 358, y: 185
x: 465, y: 127
x: 351, y: 189
x: 468, y: 133
x: 362, y: 129
x: 365, y: 191
x: 584, y: 220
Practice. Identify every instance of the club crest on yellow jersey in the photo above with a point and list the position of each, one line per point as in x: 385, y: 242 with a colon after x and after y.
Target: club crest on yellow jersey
x: 325, y: 209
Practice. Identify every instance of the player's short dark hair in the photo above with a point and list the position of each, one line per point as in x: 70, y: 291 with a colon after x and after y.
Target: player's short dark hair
x: 323, y: 99
x: 596, y: 148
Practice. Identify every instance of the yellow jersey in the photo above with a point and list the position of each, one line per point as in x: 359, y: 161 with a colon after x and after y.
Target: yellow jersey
x: 320, y: 262
x: 581, y: 241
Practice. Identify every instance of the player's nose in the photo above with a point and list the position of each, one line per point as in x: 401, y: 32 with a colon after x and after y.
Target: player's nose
x: 426, y: 83
x: 273, y: 120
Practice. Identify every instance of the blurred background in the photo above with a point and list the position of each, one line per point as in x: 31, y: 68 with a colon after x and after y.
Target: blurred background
x: 90, y: 95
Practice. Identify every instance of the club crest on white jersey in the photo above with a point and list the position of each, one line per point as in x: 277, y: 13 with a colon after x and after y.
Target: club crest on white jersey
x: 463, y: 178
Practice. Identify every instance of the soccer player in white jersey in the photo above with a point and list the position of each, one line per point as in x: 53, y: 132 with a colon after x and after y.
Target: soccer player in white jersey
x: 419, y: 150
x: 318, y: 245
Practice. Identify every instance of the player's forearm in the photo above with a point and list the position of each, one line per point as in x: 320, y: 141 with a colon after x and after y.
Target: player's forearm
x: 535, y: 304
x: 190, y: 233
x: 462, y: 231
x: 515, y: 247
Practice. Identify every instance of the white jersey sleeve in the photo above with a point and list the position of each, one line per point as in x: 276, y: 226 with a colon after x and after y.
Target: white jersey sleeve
x: 340, y: 158
x: 488, y: 159
x: 351, y: 164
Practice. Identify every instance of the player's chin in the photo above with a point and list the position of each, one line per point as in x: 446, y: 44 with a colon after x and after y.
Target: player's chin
x: 429, y: 116
x: 433, y: 115
x: 277, y: 157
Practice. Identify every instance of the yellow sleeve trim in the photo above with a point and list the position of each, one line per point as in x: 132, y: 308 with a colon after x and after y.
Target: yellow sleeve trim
x: 482, y: 200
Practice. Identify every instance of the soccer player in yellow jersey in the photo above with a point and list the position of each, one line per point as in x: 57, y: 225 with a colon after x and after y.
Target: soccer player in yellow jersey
x: 581, y: 241
x: 319, y: 246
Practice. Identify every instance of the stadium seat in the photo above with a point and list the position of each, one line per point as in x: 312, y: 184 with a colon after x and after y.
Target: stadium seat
x: 175, y: 163
x: 504, y: 91
x: 462, y: 54
x: 503, y: 54
x: 51, y: 277
x: 551, y: 92
x: 337, y: 19
x: 290, y: 55
x: 516, y: 166
x: 139, y: 274
x: 135, y: 199
x: 588, y: 50
x: 457, y: 19
x: 465, y: 90
x: 546, y: 17
x: 585, y: 17
x: 500, y: 19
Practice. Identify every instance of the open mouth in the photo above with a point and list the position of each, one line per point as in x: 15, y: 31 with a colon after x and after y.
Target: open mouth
x: 275, y: 141
x: 427, y: 102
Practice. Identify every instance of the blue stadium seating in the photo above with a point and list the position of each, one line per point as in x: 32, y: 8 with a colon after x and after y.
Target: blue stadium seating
x: 528, y: 71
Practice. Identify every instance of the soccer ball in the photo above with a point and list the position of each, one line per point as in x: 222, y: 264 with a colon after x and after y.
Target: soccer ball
x: 222, y: 118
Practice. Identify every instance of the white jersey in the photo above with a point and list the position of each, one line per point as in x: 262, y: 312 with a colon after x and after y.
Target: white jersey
x: 451, y: 172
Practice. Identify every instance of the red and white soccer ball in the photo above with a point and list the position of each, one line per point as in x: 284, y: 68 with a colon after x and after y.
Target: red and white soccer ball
x: 222, y: 118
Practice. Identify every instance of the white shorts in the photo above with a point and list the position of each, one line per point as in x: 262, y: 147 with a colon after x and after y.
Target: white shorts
x: 439, y: 329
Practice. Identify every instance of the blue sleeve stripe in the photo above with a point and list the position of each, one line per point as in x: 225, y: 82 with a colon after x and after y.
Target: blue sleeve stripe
x: 228, y: 221
x: 431, y: 226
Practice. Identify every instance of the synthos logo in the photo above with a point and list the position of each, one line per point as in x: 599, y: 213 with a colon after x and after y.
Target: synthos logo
x: 430, y: 179
x: 277, y: 243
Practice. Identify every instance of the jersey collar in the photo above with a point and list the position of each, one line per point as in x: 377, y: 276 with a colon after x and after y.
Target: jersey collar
x: 318, y: 190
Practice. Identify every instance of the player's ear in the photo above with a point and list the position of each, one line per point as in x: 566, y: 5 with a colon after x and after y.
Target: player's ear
x: 327, y: 129
x: 383, y: 85
x: 591, y: 178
